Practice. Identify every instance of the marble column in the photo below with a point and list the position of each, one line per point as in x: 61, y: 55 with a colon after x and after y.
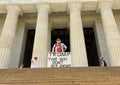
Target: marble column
x: 8, y: 35
x: 111, y: 31
x: 40, y: 49
x: 17, y: 54
x: 101, y: 41
x: 49, y: 37
x: 78, y: 49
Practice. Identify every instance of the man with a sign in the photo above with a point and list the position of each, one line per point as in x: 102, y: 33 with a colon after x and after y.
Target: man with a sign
x: 59, y: 47
x: 58, y: 57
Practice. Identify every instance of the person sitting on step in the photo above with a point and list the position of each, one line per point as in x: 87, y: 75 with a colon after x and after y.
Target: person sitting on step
x: 102, y: 62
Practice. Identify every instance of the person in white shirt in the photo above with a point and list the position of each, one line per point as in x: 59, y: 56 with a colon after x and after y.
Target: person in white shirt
x: 34, y: 62
x: 102, y: 62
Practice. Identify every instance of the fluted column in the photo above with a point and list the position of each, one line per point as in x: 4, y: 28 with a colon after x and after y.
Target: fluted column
x: 78, y: 50
x: 8, y: 35
x: 49, y: 37
x: 111, y: 31
x: 40, y: 49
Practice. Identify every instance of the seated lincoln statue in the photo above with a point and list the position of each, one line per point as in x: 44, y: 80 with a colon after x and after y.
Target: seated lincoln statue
x: 59, y: 46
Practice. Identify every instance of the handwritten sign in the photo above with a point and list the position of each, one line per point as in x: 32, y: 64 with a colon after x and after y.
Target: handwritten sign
x: 62, y: 59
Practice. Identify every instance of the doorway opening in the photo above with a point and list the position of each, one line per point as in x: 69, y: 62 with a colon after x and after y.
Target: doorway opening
x: 63, y: 34
x: 92, y: 54
x: 28, y: 48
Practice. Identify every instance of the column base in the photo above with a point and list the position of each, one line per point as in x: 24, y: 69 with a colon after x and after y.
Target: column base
x: 1, y: 67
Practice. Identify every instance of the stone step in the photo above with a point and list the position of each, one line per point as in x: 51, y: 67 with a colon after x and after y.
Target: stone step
x: 61, y: 76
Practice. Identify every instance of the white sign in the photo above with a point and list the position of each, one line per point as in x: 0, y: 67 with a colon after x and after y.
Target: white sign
x: 62, y: 59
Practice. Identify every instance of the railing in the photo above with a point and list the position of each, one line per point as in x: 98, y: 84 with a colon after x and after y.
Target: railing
x: 62, y: 59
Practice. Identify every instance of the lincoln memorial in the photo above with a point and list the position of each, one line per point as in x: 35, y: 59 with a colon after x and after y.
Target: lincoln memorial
x: 89, y: 28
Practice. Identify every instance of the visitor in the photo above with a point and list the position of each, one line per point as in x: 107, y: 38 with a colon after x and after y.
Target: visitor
x: 21, y: 66
x: 59, y: 46
x: 34, y: 62
x: 102, y: 62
